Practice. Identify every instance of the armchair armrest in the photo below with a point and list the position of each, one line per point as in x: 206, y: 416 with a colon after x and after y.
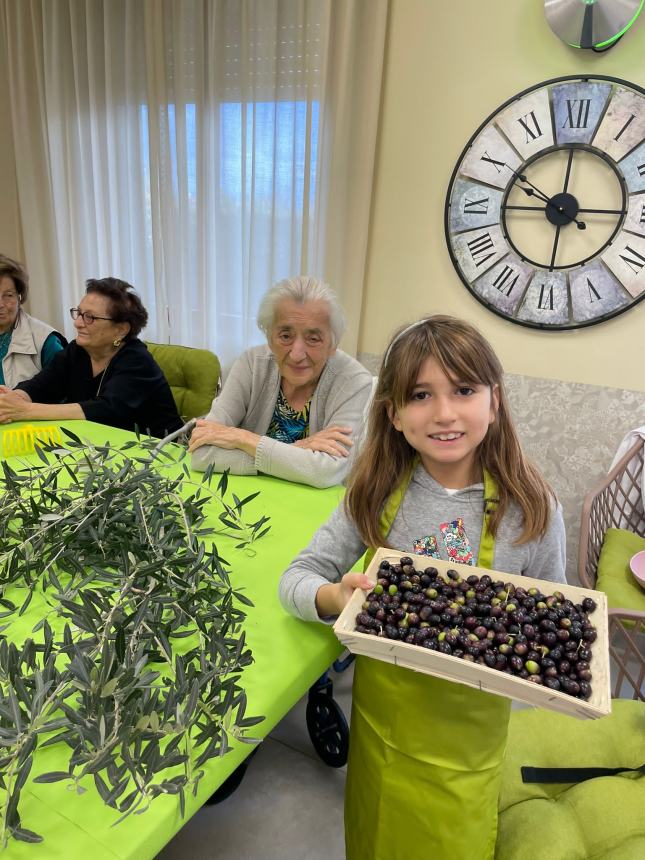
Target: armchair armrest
x: 615, y: 503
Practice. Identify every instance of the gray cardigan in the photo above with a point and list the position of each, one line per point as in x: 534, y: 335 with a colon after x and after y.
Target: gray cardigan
x: 248, y: 400
x: 337, y: 546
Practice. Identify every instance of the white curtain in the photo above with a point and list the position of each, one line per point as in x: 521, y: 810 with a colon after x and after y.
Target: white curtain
x: 200, y: 149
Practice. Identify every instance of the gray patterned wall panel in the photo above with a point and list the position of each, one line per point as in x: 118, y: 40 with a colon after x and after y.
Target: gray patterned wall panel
x: 571, y: 431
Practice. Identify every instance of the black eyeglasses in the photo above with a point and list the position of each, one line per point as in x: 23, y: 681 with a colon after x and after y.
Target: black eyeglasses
x: 86, y: 316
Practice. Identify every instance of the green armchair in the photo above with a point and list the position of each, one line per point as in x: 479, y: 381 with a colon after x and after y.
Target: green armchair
x: 601, y: 818
x: 193, y: 376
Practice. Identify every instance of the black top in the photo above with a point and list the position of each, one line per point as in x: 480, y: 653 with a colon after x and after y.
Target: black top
x: 132, y: 389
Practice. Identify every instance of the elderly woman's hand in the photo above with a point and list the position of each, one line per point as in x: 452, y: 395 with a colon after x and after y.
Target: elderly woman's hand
x: 223, y: 436
x: 14, y: 405
x: 332, y: 440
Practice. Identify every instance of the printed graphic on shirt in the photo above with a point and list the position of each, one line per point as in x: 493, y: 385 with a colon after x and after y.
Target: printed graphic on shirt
x: 457, y: 543
x: 426, y: 546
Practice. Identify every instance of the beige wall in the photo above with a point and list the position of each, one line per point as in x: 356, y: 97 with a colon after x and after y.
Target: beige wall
x: 10, y: 232
x: 449, y: 65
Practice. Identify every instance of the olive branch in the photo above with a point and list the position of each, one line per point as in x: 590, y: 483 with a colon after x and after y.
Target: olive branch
x: 135, y: 661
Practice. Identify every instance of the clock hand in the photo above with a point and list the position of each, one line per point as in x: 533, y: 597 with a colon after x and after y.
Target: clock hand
x: 534, y: 191
x: 531, y: 192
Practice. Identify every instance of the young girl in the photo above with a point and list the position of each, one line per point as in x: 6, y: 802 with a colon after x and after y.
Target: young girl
x: 441, y: 474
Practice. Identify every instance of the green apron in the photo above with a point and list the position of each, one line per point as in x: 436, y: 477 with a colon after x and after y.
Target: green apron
x: 425, y: 754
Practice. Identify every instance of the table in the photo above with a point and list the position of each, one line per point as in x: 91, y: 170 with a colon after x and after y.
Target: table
x: 289, y: 656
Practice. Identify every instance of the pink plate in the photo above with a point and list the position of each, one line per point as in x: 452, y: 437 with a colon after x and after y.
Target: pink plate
x: 637, y: 564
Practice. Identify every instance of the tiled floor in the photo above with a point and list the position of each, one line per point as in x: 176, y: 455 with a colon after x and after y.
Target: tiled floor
x: 288, y: 807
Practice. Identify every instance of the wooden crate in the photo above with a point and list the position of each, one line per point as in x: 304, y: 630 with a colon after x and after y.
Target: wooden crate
x: 475, y: 674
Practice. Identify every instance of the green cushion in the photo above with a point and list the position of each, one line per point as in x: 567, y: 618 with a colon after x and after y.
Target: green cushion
x: 192, y: 374
x: 614, y: 575
x: 599, y: 819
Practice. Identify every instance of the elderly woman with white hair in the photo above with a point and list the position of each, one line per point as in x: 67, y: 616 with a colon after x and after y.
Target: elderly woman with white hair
x: 294, y: 408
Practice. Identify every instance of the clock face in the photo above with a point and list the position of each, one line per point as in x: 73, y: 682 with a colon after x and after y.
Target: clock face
x: 545, y: 212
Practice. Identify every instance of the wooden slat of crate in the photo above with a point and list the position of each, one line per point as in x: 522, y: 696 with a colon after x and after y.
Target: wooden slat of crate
x: 475, y: 674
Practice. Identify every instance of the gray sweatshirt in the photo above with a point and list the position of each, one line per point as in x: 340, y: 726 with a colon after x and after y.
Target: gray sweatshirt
x: 337, y: 546
x: 248, y: 400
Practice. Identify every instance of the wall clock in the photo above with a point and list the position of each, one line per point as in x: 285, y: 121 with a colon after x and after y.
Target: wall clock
x: 545, y: 211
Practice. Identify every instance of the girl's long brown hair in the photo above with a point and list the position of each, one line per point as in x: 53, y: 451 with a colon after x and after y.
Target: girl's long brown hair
x: 465, y: 356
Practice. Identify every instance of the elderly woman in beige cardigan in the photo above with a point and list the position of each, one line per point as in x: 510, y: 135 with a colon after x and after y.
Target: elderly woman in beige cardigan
x: 293, y: 408
x: 26, y: 344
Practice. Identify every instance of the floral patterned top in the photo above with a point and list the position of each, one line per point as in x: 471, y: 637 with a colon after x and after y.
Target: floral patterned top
x: 287, y: 425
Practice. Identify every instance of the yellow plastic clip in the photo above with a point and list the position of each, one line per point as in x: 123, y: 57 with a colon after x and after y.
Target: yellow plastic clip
x: 22, y: 440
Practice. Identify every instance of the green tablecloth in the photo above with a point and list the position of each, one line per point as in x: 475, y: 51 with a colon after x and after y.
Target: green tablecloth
x: 288, y: 657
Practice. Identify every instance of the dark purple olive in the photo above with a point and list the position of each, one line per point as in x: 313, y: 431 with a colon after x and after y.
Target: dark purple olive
x: 516, y: 663
x: 585, y: 690
x: 570, y: 686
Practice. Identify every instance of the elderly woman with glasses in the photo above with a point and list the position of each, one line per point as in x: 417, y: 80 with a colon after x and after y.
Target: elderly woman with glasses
x: 294, y: 407
x: 26, y: 344
x: 105, y: 375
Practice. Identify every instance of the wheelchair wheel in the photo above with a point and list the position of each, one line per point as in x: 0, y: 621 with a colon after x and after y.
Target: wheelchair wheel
x: 231, y: 783
x: 327, y: 728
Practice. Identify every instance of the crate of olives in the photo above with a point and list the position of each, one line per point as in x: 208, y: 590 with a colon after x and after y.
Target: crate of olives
x: 532, y: 640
